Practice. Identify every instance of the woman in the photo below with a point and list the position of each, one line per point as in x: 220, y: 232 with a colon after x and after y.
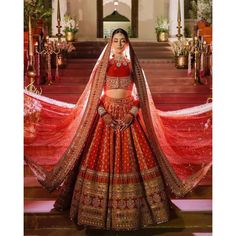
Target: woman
x: 115, y: 156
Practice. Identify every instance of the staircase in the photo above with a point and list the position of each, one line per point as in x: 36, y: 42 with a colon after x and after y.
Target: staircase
x: 148, y: 50
x: 171, y: 89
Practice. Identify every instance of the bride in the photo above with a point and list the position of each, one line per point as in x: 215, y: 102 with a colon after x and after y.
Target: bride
x: 115, y: 157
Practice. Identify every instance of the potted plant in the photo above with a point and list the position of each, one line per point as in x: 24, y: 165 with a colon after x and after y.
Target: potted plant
x: 71, y: 28
x: 39, y: 12
x: 162, y: 29
x: 181, y: 49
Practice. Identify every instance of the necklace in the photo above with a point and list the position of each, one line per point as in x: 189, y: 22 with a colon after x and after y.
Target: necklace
x: 119, y: 61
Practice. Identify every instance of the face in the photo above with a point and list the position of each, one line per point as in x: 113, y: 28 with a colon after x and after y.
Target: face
x: 119, y: 43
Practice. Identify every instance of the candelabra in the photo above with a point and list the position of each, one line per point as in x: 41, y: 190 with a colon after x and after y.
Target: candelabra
x: 207, y: 52
x: 179, y: 35
x: 210, y: 61
x: 196, y: 61
x: 31, y: 75
x: 57, y: 52
x: 59, y: 34
x: 39, y: 52
x: 200, y: 51
x: 49, y: 48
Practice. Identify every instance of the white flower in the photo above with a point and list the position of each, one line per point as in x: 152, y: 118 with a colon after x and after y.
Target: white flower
x: 70, y: 24
x: 180, y: 47
x: 162, y: 24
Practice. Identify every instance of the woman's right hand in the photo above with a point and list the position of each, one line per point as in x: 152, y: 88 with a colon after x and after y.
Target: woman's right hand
x: 107, y: 118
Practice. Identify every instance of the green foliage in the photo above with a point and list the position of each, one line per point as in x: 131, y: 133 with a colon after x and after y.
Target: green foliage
x: 193, y: 9
x: 187, y: 31
x: 201, y: 9
x: 70, y: 24
x: 38, y: 11
x: 162, y: 24
x: 205, y: 10
x: 180, y: 47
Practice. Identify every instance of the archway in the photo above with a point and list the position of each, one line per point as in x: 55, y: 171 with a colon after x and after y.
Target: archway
x: 134, y: 18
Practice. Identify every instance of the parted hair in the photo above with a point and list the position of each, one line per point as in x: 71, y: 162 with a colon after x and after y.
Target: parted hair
x: 122, y: 31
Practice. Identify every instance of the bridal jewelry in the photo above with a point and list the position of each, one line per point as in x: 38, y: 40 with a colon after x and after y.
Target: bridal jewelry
x: 119, y: 61
x: 134, y: 110
x: 101, y: 111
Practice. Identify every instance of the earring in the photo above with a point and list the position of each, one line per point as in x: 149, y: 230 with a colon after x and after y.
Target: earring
x: 112, y: 53
x: 126, y: 53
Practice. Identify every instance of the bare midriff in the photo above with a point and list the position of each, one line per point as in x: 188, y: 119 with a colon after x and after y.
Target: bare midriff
x: 118, y: 93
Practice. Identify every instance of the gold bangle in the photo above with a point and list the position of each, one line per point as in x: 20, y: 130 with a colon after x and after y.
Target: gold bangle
x: 133, y: 111
x: 101, y: 111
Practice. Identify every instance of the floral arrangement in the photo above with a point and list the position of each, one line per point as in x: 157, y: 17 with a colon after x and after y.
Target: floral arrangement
x: 180, y: 47
x: 70, y: 24
x: 66, y: 47
x: 162, y: 25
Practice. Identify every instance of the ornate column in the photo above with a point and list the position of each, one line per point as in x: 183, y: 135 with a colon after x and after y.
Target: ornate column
x: 63, y: 10
x: 173, y: 11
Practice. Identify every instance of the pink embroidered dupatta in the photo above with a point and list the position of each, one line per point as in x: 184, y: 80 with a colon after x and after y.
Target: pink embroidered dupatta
x: 60, y: 133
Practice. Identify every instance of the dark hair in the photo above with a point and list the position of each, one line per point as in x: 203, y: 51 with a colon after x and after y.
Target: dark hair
x: 122, y: 31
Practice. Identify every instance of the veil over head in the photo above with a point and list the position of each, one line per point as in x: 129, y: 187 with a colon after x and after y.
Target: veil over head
x: 56, y: 132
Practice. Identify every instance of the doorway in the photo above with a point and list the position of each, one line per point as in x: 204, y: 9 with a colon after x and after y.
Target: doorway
x: 134, y: 18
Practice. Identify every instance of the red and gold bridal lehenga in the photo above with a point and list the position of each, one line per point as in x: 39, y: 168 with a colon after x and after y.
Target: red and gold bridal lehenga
x: 113, y: 179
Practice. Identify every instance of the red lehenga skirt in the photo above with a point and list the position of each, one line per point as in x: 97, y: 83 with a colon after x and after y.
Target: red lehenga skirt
x: 118, y: 184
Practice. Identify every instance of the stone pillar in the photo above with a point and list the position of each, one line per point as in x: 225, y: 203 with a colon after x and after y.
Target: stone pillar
x: 173, y: 10
x: 63, y: 10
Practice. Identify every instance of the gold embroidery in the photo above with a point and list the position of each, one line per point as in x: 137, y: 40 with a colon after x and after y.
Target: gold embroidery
x: 118, y: 82
x: 112, y: 199
x: 128, y: 205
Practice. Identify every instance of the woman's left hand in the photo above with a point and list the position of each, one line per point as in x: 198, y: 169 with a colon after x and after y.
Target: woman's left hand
x: 126, y: 121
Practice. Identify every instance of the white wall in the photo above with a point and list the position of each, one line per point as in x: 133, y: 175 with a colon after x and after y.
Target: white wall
x: 86, y: 12
x: 148, y: 12
x: 63, y: 9
x: 173, y: 9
